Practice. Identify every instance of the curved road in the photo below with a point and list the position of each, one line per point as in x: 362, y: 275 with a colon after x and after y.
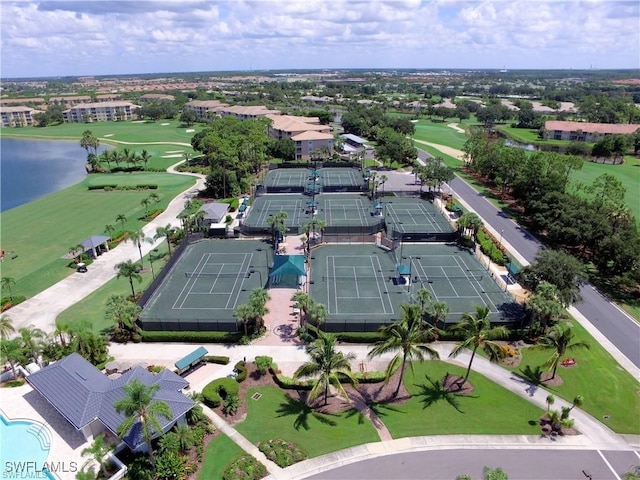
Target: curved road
x: 621, y: 330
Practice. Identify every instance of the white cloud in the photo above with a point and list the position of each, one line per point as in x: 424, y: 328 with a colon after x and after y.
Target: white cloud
x: 104, y: 36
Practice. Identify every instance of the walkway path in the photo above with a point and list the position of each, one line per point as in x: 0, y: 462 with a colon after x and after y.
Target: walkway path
x: 42, y: 309
x: 453, y: 152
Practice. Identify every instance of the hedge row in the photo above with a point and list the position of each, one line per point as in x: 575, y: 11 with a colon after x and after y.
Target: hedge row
x: 114, y: 186
x: 359, y: 337
x: 219, y: 389
x: 220, y: 360
x: 490, y: 249
x: 190, y: 337
x: 241, y: 371
x: 289, y: 383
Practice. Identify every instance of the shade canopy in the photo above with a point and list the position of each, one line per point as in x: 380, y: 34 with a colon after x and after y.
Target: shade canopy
x: 288, y: 265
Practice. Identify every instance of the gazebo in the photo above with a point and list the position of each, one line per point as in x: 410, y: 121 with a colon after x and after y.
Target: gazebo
x: 287, y: 271
x: 95, y: 245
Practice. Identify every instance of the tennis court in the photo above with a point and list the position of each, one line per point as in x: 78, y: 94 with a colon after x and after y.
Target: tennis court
x: 362, y: 289
x: 209, y: 280
x: 266, y: 206
x: 294, y: 180
x: 413, y: 215
x: 345, y: 211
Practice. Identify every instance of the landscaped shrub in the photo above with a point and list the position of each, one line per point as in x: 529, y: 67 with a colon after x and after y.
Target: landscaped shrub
x: 245, y: 468
x: 220, y: 360
x: 282, y: 453
x: 219, y: 389
x: 146, y: 186
x: 13, y: 383
x: 359, y: 337
x: 189, y: 337
x: 103, y: 187
x: 263, y: 363
x: 241, y: 370
x: 289, y: 383
x: 490, y: 249
x: 8, y: 302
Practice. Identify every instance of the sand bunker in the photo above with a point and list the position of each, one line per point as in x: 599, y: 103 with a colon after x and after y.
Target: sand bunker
x: 175, y: 155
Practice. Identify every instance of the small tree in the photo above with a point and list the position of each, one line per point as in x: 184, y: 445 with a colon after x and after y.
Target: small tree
x: 121, y: 218
x: 560, y: 341
x: 6, y: 327
x: 97, y: 452
x: 131, y: 271
x: 7, y: 283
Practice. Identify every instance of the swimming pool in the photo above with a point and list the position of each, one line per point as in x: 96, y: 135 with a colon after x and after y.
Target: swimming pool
x: 24, y: 448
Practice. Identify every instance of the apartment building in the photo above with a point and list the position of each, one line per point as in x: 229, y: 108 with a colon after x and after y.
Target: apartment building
x: 156, y: 97
x: 243, y: 112
x: 19, y: 116
x: 69, y: 100
x: 205, y: 109
x: 101, y: 112
x: 586, y: 132
x: 308, y: 133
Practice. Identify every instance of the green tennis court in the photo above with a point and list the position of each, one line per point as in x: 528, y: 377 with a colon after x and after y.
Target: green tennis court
x: 413, y: 215
x: 287, y: 177
x: 336, y: 178
x: 344, y: 210
x: 292, y: 180
x: 362, y: 289
x: 207, y: 282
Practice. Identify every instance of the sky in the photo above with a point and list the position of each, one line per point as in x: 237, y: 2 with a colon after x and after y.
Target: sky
x: 102, y: 37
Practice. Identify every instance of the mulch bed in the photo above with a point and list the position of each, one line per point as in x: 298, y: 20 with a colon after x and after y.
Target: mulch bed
x: 456, y: 384
x: 546, y: 379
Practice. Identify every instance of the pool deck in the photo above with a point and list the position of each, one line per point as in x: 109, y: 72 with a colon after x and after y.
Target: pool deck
x: 24, y: 403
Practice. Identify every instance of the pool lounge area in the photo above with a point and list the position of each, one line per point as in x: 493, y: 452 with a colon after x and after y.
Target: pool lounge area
x: 31, y: 430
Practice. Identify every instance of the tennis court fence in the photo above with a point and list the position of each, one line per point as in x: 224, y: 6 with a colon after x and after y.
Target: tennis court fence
x: 162, y: 274
x: 246, y: 274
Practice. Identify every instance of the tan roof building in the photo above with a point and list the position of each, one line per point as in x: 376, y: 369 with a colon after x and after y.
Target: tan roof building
x: 205, y: 108
x: 586, y: 132
x: 18, y: 116
x: 101, y: 112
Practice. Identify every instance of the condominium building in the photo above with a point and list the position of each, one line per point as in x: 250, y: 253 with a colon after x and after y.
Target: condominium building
x: 19, y: 116
x: 586, y: 132
x: 100, y: 112
x: 308, y: 133
x: 205, y: 109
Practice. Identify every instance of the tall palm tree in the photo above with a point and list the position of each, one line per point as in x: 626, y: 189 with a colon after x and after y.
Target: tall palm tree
x: 438, y: 311
x: 75, y: 250
x: 62, y: 332
x: 140, y: 406
x: 121, y: 218
x: 304, y: 303
x: 31, y: 340
x: 131, y: 271
x: 408, y: 339
x: 145, y: 157
x: 91, y: 346
x: 138, y: 238
x: 278, y: 226
x: 6, y: 327
x: 97, y: 451
x: 424, y: 298
x: 166, y: 232
x: 328, y: 365
x: 145, y: 202
x: 318, y: 313
x: 477, y: 333
x: 545, y: 305
x: 244, y: 313
x: 155, y: 198
x: 469, y: 221
x: 258, y: 299
x: 109, y: 229
x: 121, y: 312
x: 7, y: 283
x: 560, y: 341
x: 11, y: 351
x: 383, y: 180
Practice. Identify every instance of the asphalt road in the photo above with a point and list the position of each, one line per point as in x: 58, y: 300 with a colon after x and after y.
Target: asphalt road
x: 548, y: 464
x: 619, y: 329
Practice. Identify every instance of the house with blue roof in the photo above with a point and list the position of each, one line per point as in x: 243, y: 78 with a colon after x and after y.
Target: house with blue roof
x: 85, y: 397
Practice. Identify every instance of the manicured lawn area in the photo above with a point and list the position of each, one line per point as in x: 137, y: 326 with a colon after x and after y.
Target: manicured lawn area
x: 121, y: 131
x: 276, y: 415
x: 42, y: 231
x: 607, y: 388
x: 489, y: 409
x: 628, y: 173
x: 438, y: 132
x: 527, y: 135
x: 92, y: 307
x: 220, y: 452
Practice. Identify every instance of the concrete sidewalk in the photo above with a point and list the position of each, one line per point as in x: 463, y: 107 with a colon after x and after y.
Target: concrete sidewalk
x: 42, y: 309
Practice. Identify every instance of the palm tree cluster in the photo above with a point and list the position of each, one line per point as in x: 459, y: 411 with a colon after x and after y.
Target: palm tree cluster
x: 252, y: 313
x: 278, y: 226
x: 122, y: 314
x: 132, y: 160
x: 33, y: 345
x: 310, y: 310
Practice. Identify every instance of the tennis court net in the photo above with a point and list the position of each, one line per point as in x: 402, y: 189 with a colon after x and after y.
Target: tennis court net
x: 215, y: 275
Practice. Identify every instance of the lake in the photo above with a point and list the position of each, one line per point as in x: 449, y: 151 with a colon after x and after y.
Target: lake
x: 34, y: 168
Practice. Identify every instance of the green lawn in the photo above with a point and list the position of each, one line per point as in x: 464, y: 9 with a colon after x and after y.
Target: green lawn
x: 607, y: 388
x: 42, y: 231
x: 220, y: 452
x: 489, y: 409
x: 528, y: 135
x: 438, y: 132
x: 92, y: 308
x: 276, y: 415
x: 121, y: 131
x: 628, y: 173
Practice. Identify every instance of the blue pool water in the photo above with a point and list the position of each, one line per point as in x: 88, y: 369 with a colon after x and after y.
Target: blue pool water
x: 26, y: 442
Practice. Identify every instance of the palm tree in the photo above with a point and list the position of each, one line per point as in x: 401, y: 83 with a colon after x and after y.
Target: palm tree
x: 560, y: 340
x: 244, y: 313
x: 185, y: 437
x: 131, y: 271
x: 75, y: 250
x: 329, y: 365
x: 278, y: 226
x: 424, y: 298
x: 145, y: 202
x: 408, y: 339
x: 145, y: 157
x: 138, y: 238
x: 6, y: 327
x: 304, y: 303
x: 469, y: 221
x: 106, y: 157
x: 11, y: 351
x: 258, y: 299
x: 155, y: 198
x: 97, y: 451
x: 550, y: 401
x: 383, y: 180
x: 166, y: 232
x: 109, y: 229
x: 438, y: 311
x: 121, y: 218
x: 318, y: 313
x: 545, y: 305
x: 477, y: 333
x: 7, y: 283
x: 122, y: 313
x: 61, y: 330
x: 93, y: 347
x: 139, y: 406
x: 31, y: 339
